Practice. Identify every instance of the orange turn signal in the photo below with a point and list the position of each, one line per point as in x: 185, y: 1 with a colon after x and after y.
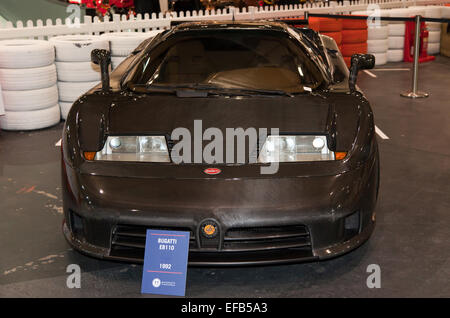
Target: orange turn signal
x: 340, y: 155
x: 89, y: 155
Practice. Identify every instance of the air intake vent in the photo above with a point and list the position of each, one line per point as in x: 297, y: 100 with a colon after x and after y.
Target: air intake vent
x: 264, y: 238
x: 128, y: 241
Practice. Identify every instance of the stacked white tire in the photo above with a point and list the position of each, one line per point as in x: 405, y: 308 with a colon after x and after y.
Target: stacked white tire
x: 434, y: 29
x: 397, y: 35
x: 28, y: 82
x: 76, y: 73
x: 124, y: 43
x: 2, y: 104
x: 377, y: 35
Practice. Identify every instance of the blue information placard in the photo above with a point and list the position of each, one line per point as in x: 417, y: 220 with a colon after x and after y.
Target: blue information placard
x: 165, y: 262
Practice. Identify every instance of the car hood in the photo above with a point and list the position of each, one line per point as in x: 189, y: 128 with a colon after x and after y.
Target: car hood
x: 162, y: 114
x: 127, y: 113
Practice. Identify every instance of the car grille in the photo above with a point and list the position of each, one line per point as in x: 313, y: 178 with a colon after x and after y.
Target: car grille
x: 264, y: 238
x: 128, y: 241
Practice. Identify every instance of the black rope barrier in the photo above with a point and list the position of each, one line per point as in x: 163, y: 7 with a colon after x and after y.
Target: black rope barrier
x: 364, y: 17
x: 305, y: 21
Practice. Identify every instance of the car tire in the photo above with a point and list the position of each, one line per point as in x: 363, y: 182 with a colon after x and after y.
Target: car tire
x: 397, y: 29
x: 434, y: 36
x: 378, y: 33
x: 347, y: 60
x: 445, y: 12
x: 434, y: 48
x: 2, y: 106
x: 16, y: 54
x: 330, y: 25
x: 116, y: 60
x: 399, y: 12
x: 124, y: 43
x: 78, y: 71
x: 377, y: 46
x: 337, y: 36
x: 27, y: 78
x: 30, y: 120
x: 354, y: 36
x: 396, y: 42
x: 354, y: 48
x: 416, y: 10
x: 371, y: 15
x: 395, y: 55
x: 380, y: 58
x: 77, y: 48
x: 31, y: 99
x: 433, y: 26
x: 70, y: 91
x: 314, y: 23
x: 65, y: 108
x: 349, y: 24
x: 433, y: 12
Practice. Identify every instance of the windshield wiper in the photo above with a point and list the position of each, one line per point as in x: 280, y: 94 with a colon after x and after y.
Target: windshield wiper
x: 234, y: 91
x: 189, y: 90
x: 260, y: 91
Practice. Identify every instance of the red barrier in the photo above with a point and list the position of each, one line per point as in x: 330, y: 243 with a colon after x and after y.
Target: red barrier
x: 408, y: 52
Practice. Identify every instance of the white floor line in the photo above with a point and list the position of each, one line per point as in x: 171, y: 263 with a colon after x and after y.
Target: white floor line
x: 391, y: 69
x: 58, y: 144
x: 380, y: 133
x: 370, y: 73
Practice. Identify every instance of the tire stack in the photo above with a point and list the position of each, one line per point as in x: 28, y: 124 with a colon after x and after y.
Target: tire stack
x: 124, y: 43
x: 445, y: 34
x: 397, y: 35
x: 354, y: 38
x: 377, y: 37
x: 434, y: 29
x: 28, y: 82
x: 76, y: 73
x: 332, y: 28
x: 2, y: 105
x: 313, y: 24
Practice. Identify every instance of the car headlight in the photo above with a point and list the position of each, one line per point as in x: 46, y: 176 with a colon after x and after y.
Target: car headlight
x: 134, y: 148
x: 296, y: 148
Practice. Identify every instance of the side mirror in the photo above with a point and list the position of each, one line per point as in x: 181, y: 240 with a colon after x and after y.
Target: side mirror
x: 102, y: 58
x: 359, y: 62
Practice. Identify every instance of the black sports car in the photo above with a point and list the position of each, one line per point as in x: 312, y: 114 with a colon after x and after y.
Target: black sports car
x: 139, y: 153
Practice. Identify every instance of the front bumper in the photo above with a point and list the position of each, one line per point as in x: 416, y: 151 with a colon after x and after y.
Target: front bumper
x: 260, y: 220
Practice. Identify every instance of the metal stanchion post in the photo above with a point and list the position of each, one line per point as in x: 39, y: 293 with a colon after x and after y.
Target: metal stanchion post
x: 415, y: 93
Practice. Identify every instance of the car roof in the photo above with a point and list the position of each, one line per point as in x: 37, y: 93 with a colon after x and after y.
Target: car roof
x: 259, y: 24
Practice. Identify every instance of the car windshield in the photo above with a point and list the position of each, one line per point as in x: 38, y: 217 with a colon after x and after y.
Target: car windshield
x: 229, y: 59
